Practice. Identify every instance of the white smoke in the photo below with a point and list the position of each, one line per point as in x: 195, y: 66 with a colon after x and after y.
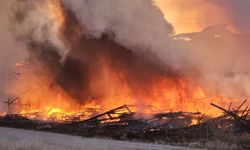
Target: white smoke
x: 31, y: 23
x: 136, y: 24
x: 221, y: 59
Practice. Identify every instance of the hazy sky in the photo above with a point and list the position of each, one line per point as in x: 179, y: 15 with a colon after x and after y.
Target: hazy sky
x: 195, y: 15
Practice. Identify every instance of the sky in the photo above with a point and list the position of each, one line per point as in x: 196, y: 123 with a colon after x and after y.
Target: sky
x: 195, y: 15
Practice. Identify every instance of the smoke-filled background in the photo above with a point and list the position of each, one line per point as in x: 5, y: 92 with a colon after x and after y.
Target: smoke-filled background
x: 203, y: 41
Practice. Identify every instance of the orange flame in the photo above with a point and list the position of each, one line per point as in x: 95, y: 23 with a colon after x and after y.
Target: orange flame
x: 46, y: 102
x: 49, y: 102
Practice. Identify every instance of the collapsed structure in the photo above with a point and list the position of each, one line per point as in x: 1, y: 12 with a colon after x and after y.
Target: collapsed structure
x: 123, y: 124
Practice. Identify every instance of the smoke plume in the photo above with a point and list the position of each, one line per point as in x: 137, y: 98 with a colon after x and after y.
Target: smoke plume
x: 137, y: 25
x: 94, y: 61
x: 212, y: 54
x: 106, y: 48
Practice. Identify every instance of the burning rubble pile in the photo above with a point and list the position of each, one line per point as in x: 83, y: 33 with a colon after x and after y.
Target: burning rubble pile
x: 123, y: 124
x: 74, y: 81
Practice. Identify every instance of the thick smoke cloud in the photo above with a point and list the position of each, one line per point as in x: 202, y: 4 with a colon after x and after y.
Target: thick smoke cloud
x: 137, y: 25
x: 213, y: 53
x: 94, y: 53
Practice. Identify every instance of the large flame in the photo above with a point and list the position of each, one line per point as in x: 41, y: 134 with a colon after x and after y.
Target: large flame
x: 47, y: 101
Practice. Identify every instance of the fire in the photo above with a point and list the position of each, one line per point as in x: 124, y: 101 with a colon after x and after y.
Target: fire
x: 194, y: 122
x: 44, y: 102
x: 48, y: 101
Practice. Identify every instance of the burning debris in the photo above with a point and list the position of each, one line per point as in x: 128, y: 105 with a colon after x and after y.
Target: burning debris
x: 83, y: 65
x: 241, y: 120
x: 124, y: 124
x: 111, y: 116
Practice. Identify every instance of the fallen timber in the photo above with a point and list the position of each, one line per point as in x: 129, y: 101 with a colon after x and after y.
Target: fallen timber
x: 123, y: 124
x: 242, y: 120
x: 122, y: 112
x: 120, y: 116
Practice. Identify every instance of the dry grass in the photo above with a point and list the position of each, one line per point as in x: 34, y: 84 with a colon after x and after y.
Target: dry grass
x: 224, y: 141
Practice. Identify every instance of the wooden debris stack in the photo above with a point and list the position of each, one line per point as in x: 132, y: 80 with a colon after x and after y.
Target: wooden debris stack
x: 123, y: 124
